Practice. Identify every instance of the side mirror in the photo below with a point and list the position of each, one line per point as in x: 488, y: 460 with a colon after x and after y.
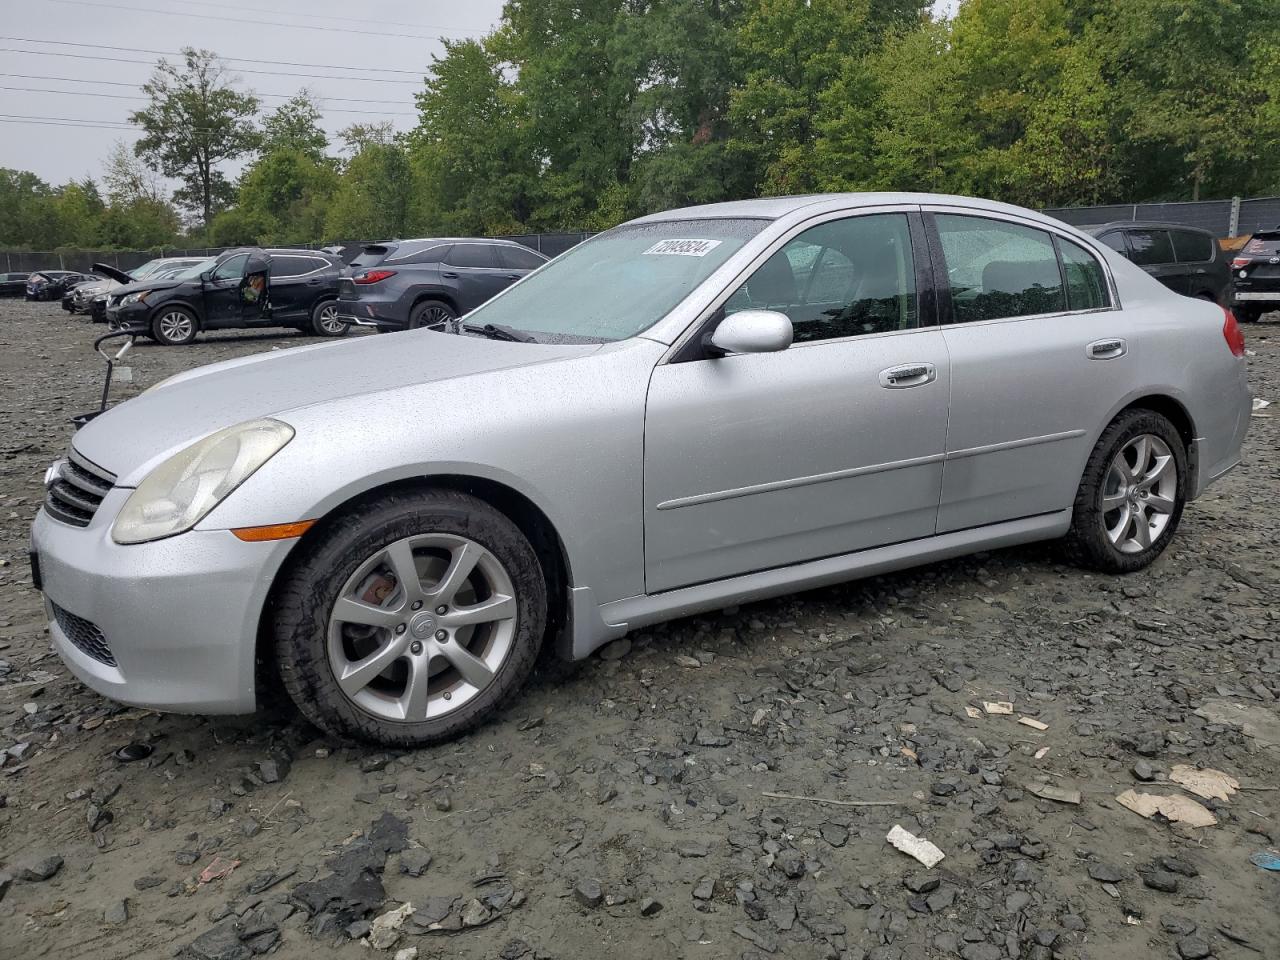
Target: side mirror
x: 206, y: 276
x: 751, y: 331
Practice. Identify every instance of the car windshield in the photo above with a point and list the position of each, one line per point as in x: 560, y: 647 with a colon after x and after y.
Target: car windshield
x: 619, y: 283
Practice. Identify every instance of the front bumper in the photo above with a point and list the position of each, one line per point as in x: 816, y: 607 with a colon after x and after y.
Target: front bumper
x: 179, y: 616
x: 135, y: 315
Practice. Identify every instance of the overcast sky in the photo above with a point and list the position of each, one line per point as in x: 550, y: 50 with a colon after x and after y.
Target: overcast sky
x: 398, y: 35
x: 389, y: 44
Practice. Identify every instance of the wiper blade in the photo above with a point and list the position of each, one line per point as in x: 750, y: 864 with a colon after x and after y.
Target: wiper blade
x: 498, y: 331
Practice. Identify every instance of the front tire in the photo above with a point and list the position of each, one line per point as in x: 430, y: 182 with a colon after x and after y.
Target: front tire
x: 325, y: 321
x: 1131, y: 496
x: 174, y: 326
x: 411, y: 619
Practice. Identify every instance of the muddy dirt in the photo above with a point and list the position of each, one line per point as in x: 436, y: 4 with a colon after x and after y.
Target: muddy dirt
x: 621, y: 807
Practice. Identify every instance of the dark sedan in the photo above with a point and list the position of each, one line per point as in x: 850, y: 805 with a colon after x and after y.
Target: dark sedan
x: 407, y: 284
x: 303, y: 291
x: 1187, y: 260
x: 13, y: 284
x: 52, y: 284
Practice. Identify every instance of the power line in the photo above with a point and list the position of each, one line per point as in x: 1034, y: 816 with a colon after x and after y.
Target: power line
x: 75, y: 126
x: 26, y: 116
x: 125, y: 96
x: 174, y: 53
x: 256, y: 23
x: 138, y: 86
x: 318, y: 16
x: 148, y: 63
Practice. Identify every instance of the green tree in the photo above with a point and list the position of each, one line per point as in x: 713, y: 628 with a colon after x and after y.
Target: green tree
x: 295, y: 125
x: 195, y: 121
x: 24, y: 208
x: 76, y: 210
x: 473, y: 166
x: 373, y: 199
x: 285, y: 194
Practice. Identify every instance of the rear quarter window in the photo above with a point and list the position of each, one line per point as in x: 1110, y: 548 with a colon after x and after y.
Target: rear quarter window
x: 518, y: 258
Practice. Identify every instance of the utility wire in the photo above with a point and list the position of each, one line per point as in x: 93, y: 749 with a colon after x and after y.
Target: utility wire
x: 148, y: 63
x: 174, y: 53
x: 256, y: 23
x: 77, y: 126
x: 125, y: 96
x: 138, y: 86
x: 317, y: 16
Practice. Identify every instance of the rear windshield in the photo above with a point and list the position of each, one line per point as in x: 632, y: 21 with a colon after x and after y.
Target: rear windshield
x: 1264, y: 246
x: 370, y: 256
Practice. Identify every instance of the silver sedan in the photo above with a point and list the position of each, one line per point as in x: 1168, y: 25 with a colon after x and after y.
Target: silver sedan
x: 694, y: 409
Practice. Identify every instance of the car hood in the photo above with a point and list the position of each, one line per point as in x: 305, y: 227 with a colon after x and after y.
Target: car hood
x: 94, y: 287
x: 111, y: 273
x: 131, y: 439
x: 136, y: 286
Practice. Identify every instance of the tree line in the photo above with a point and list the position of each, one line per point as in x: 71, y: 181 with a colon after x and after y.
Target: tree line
x: 578, y: 114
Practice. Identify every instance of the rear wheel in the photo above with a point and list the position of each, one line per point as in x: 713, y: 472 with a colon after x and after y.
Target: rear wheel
x: 410, y: 620
x: 325, y: 321
x: 432, y: 314
x: 174, y: 326
x: 1131, y: 495
x: 1247, y: 314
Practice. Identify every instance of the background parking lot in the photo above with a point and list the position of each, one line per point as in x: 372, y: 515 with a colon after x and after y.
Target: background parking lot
x: 621, y: 807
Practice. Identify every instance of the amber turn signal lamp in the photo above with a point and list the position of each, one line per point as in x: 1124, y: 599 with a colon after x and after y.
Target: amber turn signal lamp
x: 275, y: 531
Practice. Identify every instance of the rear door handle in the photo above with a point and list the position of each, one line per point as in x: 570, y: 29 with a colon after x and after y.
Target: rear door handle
x: 908, y: 375
x: 1106, y: 349
x: 449, y: 276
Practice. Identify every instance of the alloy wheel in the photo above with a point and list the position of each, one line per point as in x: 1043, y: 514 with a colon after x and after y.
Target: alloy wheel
x: 176, y: 326
x: 436, y: 318
x: 329, y: 321
x: 422, y: 627
x: 1140, y: 493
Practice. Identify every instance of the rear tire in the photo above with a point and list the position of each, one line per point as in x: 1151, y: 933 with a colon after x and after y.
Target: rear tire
x: 432, y: 314
x: 1131, y: 495
x: 325, y: 322
x: 351, y: 598
x: 174, y: 326
x: 1247, y: 314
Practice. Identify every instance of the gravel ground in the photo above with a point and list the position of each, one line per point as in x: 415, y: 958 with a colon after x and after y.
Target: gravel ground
x: 622, y: 807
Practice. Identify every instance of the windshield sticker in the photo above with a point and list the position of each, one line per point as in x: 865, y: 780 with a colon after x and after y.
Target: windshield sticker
x: 682, y: 248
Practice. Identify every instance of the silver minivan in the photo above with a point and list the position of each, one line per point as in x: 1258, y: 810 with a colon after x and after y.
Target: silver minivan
x: 698, y: 408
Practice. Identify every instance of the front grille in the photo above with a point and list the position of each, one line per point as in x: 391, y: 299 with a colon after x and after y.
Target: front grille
x: 76, y: 489
x: 84, y: 636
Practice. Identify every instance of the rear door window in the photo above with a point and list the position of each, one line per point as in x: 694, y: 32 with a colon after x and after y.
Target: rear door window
x: 518, y: 258
x: 473, y: 255
x: 1191, y: 246
x: 1150, y: 247
x: 998, y: 269
x: 283, y: 268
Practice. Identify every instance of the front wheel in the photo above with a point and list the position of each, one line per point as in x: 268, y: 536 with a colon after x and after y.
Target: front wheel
x: 410, y: 620
x: 174, y: 326
x: 325, y: 321
x: 1131, y: 495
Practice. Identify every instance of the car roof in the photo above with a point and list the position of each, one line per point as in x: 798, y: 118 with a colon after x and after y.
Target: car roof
x: 1097, y: 228
x: 774, y: 208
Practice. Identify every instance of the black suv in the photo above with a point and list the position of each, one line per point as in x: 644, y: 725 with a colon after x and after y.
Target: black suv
x: 1187, y: 260
x: 13, y: 284
x: 1257, y: 270
x: 406, y: 284
x: 302, y: 292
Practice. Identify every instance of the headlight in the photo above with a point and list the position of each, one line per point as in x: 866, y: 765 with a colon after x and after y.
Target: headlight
x: 180, y: 492
x: 129, y: 298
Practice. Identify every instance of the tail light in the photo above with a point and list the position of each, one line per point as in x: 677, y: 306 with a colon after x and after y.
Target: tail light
x: 1240, y: 262
x: 1232, y: 333
x: 372, y: 276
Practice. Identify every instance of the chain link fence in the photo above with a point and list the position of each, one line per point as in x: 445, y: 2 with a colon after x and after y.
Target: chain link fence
x: 1223, y: 218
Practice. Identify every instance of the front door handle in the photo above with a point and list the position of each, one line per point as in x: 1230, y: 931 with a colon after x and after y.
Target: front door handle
x: 1106, y: 349
x: 908, y: 375
x: 449, y: 276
